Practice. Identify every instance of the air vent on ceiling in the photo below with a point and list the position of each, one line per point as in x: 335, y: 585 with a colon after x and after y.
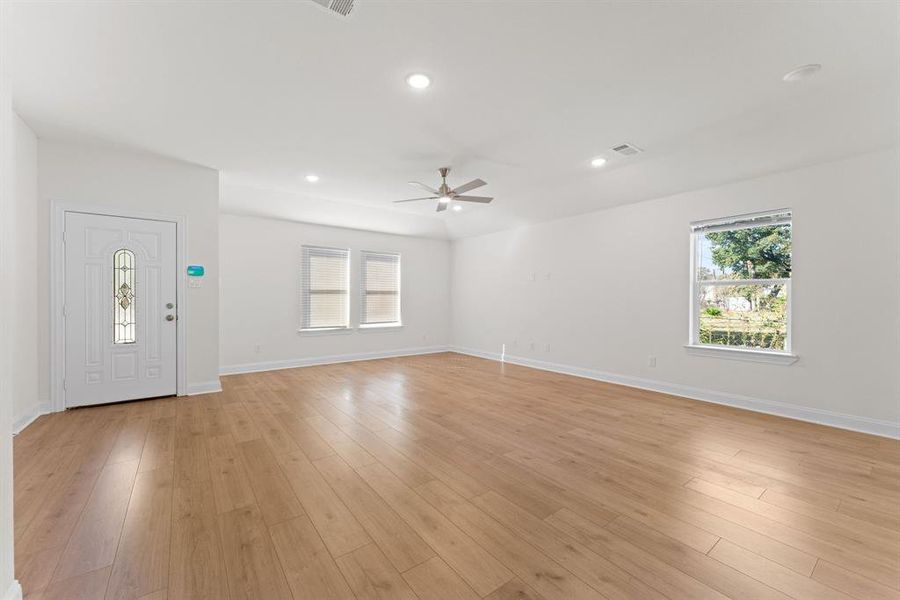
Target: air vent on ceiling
x: 341, y: 7
x: 627, y: 149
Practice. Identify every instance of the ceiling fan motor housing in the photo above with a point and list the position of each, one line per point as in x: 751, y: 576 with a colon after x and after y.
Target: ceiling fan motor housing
x: 444, y: 189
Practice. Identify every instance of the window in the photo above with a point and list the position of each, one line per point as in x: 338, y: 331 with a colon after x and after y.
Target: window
x: 741, y: 283
x: 325, y: 288
x: 123, y: 297
x: 380, y: 289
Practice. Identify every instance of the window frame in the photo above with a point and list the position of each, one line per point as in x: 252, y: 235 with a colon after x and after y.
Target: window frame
x: 694, y: 346
x: 305, y: 291
x: 363, y: 293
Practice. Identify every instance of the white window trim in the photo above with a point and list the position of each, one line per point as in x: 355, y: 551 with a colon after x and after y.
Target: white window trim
x: 326, y: 330
x: 362, y: 292
x: 759, y: 355
x: 747, y: 354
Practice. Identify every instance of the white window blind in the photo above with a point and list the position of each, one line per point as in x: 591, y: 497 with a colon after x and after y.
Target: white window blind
x: 325, y: 288
x: 380, y: 289
x: 780, y: 217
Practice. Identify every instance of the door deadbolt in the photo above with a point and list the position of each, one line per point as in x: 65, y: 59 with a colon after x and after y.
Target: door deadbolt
x: 170, y: 317
x: 169, y: 305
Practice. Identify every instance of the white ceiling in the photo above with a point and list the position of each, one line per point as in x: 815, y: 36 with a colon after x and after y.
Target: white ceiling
x: 524, y: 95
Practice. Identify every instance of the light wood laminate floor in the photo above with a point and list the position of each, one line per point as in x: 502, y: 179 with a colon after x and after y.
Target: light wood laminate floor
x: 449, y: 477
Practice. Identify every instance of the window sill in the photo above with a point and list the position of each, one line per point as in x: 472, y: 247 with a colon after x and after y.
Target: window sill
x: 325, y: 331
x: 746, y: 354
x: 380, y: 327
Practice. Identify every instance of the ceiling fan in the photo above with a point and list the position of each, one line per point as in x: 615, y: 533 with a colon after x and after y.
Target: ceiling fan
x: 444, y: 195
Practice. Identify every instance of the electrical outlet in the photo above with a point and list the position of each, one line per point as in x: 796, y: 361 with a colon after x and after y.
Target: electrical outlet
x: 651, y: 361
x: 257, y: 348
x: 547, y: 347
x: 531, y: 346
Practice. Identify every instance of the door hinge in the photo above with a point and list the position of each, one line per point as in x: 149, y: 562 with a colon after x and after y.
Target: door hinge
x: 64, y: 236
x: 64, y: 384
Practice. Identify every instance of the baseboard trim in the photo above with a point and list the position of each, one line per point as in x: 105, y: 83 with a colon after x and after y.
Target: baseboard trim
x: 276, y: 365
x: 22, y: 422
x: 205, y: 387
x: 14, y: 592
x: 193, y: 389
x: 877, y: 427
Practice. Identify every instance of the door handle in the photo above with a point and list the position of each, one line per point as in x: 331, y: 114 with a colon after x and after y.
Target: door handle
x: 170, y: 317
x: 170, y: 306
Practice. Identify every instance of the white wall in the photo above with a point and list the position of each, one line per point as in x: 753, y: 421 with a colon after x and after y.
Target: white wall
x: 260, y: 289
x: 30, y: 398
x: 114, y: 178
x: 9, y: 588
x: 611, y: 288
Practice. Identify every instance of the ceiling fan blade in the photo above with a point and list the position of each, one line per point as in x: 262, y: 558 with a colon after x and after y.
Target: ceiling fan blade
x: 482, y: 199
x: 466, y: 187
x: 415, y: 199
x: 442, y: 206
x: 422, y: 186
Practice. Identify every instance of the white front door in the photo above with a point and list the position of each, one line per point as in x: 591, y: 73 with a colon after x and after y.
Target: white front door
x: 120, y: 309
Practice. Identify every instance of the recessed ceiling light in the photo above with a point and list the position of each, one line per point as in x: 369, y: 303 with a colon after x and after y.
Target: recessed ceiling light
x: 457, y: 207
x: 598, y: 162
x: 312, y: 178
x: 418, y: 81
x: 801, y: 73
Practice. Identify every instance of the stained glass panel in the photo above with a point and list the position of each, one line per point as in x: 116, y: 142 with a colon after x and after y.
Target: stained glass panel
x: 124, y: 321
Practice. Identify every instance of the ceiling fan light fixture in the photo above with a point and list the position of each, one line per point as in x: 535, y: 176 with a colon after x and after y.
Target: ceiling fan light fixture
x: 418, y: 81
x: 448, y: 197
x: 801, y: 73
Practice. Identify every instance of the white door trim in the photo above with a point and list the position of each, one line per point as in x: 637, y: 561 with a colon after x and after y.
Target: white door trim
x: 58, y: 212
